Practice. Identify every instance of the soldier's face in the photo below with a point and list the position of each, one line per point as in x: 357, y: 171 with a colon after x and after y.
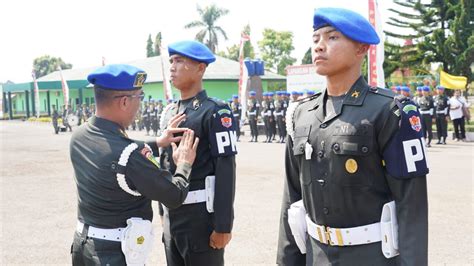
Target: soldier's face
x: 334, y: 53
x: 185, y: 72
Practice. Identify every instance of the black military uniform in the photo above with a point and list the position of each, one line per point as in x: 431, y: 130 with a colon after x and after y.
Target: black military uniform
x: 187, y: 228
x: 345, y: 160
x: 253, y: 108
x: 55, y: 118
x: 426, y: 105
x: 109, y: 191
x: 280, y: 113
x: 146, y: 116
x: 159, y: 110
x: 267, y: 115
x: 441, y: 103
x: 154, y: 119
x: 272, y: 120
x: 79, y: 113
x: 236, y: 108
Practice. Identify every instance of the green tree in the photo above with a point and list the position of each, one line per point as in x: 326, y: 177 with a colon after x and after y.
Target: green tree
x: 46, y: 64
x: 209, y: 30
x: 149, y: 47
x: 276, y: 47
x: 441, y: 31
x: 307, y: 58
x: 157, y: 51
x: 234, y: 50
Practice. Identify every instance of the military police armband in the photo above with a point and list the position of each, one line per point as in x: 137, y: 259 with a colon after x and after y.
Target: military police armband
x: 222, y: 134
x: 405, y: 154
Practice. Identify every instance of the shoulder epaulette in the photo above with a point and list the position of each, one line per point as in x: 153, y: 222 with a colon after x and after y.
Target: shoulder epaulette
x: 383, y: 92
x: 217, y: 102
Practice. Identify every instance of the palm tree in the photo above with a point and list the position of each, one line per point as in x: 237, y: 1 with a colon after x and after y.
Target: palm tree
x: 209, y: 15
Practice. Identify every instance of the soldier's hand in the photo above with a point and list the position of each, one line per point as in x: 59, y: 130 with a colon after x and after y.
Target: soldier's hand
x: 219, y: 240
x: 186, y: 152
x: 167, y: 136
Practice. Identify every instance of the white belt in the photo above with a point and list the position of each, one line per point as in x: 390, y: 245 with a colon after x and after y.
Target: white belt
x: 428, y: 112
x: 278, y: 113
x: 253, y: 113
x: 359, y: 235
x: 444, y: 112
x: 236, y: 115
x: 196, y: 196
x: 114, y: 234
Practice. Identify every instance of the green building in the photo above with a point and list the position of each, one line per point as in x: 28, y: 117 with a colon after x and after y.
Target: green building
x: 220, y: 81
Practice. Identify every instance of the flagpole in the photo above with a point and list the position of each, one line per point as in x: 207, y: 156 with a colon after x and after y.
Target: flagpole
x: 36, y: 91
x: 65, y: 88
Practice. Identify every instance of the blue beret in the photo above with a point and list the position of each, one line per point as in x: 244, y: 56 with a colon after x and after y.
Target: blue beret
x: 192, y: 49
x: 426, y: 88
x: 229, y: 100
x: 252, y: 93
x: 295, y: 93
x: 160, y: 100
x: 270, y: 94
x: 419, y: 88
x: 280, y: 93
x: 348, y: 22
x: 235, y: 96
x: 265, y: 94
x: 406, y: 89
x: 118, y: 77
x: 398, y: 88
x: 441, y: 88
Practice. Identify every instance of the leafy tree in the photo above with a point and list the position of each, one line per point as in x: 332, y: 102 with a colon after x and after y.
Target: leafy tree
x: 209, y: 30
x: 276, y: 47
x: 234, y: 50
x: 442, y: 32
x: 149, y: 47
x: 307, y: 58
x: 46, y: 64
x: 157, y: 51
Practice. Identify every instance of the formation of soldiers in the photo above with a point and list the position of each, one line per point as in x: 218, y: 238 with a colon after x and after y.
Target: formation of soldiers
x: 81, y: 114
x: 433, y: 106
x: 148, y: 117
x: 272, y: 112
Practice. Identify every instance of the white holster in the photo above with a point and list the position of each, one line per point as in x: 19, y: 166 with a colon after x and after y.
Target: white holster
x: 203, y: 195
x: 210, y: 190
x: 297, y: 223
x: 389, y: 230
x: 137, y: 241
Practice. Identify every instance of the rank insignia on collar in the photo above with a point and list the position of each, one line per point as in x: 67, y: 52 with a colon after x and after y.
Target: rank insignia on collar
x: 196, y: 104
x: 355, y: 94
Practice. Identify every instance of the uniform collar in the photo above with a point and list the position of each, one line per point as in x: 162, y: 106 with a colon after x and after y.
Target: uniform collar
x: 194, y: 102
x: 355, y: 96
x: 108, y: 125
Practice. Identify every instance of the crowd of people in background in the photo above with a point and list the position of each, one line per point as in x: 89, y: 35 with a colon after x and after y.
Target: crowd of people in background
x: 437, y: 106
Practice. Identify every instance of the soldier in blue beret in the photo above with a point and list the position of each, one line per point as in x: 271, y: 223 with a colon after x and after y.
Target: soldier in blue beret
x: 197, y: 232
x: 398, y: 89
x: 281, y: 105
x: 118, y: 177
x: 427, y: 109
x: 236, y: 108
x: 253, y: 109
x: 355, y: 189
x: 405, y: 91
x: 442, y: 106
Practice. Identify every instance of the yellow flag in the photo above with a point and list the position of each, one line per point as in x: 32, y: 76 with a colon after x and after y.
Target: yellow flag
x: 452, y: 82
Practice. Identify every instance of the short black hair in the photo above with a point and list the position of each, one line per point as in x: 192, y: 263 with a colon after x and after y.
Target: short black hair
x: 104, y: 96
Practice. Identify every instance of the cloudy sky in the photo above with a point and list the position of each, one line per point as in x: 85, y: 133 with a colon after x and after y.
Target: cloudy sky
x: 81, y: 32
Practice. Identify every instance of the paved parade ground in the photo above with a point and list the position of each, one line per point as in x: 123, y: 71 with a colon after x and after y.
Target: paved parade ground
x: 38, y: 200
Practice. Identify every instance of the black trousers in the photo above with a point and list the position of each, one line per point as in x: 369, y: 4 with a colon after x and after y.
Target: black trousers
x: 273, y: 126
x: 459, y: 129
x: 253, y: 126
x: 56, y: 127
x: 186, y: 232
x: 268, y: 129
x: 90, y: 251
x: 281, y: 126
x: 441, y: 126
x: 427, y: 124
x: 237, y: 126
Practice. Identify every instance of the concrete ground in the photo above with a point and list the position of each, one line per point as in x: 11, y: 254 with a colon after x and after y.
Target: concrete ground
x: 38, y: 200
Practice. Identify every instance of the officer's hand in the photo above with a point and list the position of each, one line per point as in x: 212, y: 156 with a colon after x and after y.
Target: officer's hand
x: 186, y: 152
x: 219, y: 240
x: 167, y: 136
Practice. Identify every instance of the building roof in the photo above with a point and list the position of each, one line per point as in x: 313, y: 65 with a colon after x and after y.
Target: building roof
x: 221, y: 69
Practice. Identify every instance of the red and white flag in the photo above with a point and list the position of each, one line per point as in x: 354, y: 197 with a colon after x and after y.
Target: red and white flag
x: 36, y: 91
x: 65, y: 88
x: 243, y: 77
x: 376, y: 52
